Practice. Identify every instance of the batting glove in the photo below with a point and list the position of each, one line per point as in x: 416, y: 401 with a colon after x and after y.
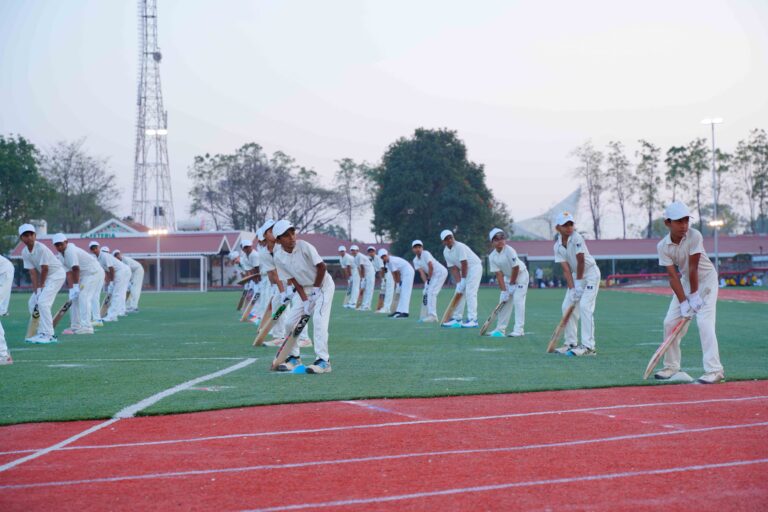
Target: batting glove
x: 685, y: 309
x: 311, y: 302
x: 461, y: 286
x: 362, y: 283
x: 110, y: 287
x: 574, y: 296
x: 504, y: 296
x: 696, y: 302
x: 74, y: 292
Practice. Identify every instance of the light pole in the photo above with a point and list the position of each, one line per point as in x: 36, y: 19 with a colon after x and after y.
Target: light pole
x: 715, y: 222
x: 157, y: 233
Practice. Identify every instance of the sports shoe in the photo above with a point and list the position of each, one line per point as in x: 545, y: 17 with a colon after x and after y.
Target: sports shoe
x: 382, y: 311
x: 452, y: 324
x: 665, y: 373
x: 110, y: 319
x: 84, y: 330
x: 711, y: 378
x: 564, y: 349
x: 364, y: 309
x: 97, y: 323
x: 305, y: 342
x: 581, y: 350
x: 274, y: 342
x: 42, y: 339
x: 319, y: 366
x: 429, y: 319
x: 7, y: 359
x: 399, y: 315
x: 496, y: 334
x: 68, y: 331
x: 470, y: 324
x: 515, y: 334
x: 289, y: 364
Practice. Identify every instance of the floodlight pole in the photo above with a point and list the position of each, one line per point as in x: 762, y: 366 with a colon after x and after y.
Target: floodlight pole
x: 715, y: 222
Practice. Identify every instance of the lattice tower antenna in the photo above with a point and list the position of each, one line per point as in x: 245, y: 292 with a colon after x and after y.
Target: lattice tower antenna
x: 152, y: 197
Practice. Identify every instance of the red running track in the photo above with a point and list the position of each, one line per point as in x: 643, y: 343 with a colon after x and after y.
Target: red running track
x: 682, y: 447
x: 742, y: 295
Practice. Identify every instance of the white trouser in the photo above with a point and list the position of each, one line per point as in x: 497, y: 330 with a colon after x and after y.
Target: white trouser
x: 6, y: 281
x: 474, y: 274
x: 137, y: 282
x: 370, y: 282
x: 267, y: 290
x: 436, y: 283
x: 80, y: 316
x: 53, y: 284
x: 516, y: 303
x: 320, y: 318
x: 406, y: 287
x: 96, y: 297
x: 585, y: 309
x: 120, y: 288
x: 3, y: 345
x: 705, y: 319
x: 389, y: 290
x: 354, y: 288
x: 280, y: 328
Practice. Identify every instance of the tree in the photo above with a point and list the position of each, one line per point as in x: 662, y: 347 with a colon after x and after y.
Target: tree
x: 350, y: 182
x: 84, y: 188
x: 698, y: 164
x: 649, y: 181
x: 24, y: 193
x: 677, y: 167
x: 621, y: 178
x: 750, y: 163
x: 426, y: 184
x: 593, y: 177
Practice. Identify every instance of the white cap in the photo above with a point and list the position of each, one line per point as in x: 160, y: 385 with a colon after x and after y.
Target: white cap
x: 246, y: 243
x: 281, y: 227
x: 259, y: 235
x: 268, y: 224
x: 105, y: 249
x: 563, y: 217
x: 416, y: 242
x: 115, y: 252
x: 370, y: 248
x: 494, y: 232
x: 26, y: 227
x: 353, y: 247
x: 58, y: 238
x: 383, y: 252
x: 676, y: 211
x: 93, y: 243
x: 234, y: 255
x: 342, y: 248
x: 445, y: 233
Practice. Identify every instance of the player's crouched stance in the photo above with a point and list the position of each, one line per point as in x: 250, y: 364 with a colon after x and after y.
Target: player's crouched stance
x: 684, y: 247
x: 300, y: 262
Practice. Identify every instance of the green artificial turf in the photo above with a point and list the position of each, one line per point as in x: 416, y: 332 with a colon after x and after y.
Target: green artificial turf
x: 180, y: 336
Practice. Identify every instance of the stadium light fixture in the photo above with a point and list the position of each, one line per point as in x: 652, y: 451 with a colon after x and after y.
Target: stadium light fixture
x: 712, y: 121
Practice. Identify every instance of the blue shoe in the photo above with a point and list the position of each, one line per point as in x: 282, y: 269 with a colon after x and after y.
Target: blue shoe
x: 496, y: 334
x: 470, y: 324
x: 452, y: 324
x: 289, y: 364
x: 319, y: 366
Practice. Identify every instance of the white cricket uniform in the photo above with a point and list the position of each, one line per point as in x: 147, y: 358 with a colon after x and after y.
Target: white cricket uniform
x: 250, y: 262
x: 136, y: 283
x: 122, y: 278
x: 265, y: 286
x: 42, y: 255
x: 90, y: 283
x: 353, y: 284
x: 505, y: 262
x: 436, y: 282
x: 301, y: 265
x: 281, y: 328
x: 678, y: 254
x: 96, y: 299
x: 453, y: 258
x: 586, y: 306
x: 362, y: 260
x: 6, y: 281
x: 397, y: 264
x: 387, y: 282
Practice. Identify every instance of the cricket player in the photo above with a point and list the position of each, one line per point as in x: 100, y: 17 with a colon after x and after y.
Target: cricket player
x: 367, y: 276
x: 136, y: 282
x: 683, y: 249
x: 467, y: 270
x: 403, y: 274
x: 386, y: 283
x: 117, y: 276
x: 6, y: 280
x: 249, y: 264
x: 583, y: 278
x: 306, y: 271
x: 349, y: 270
x: 265, y: 286
x: 47, y: 276
x: 433, y: 273
x: 513, y: 278
x: 86, y: 281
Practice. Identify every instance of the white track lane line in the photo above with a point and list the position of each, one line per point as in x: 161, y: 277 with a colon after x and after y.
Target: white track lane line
x: 377, y: 408
x: 126, y: 360
x: 263, y: 467
x: 405, y: 423
x: 128, y: 412
x: 512, y: 485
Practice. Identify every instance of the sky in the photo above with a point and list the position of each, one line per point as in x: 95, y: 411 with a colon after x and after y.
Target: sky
x: 522, y: 82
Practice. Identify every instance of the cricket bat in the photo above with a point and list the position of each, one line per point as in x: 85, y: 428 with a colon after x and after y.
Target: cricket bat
x: 451, y: 307
x: 34, y: 322
x: 290, y: 342
x: 560, y: 328
x: 491, y: 318
x: 105, y: 305
x: 348, y: 296
x: 267, y: 322
x: 247, y: 278
x: 395, y: 300
x: 675, y: 335
x: 424, y: 310
x: 242, y: 300
x: 63, y: 311
x: 359, y: 299
x: 249, y: 306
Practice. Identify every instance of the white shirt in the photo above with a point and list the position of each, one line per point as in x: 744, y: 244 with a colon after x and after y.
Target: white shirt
x: 41, y: 255
x: 362, y: 260
x: 267, y: 261
x: 458, y: 253
x: 398, y: 264
x: 348, y: 261
x: 678, y: 254
x: 6, y: 267
x: 301, y: 264
x: 505, y: 262
x: 76, y: 257
x: 422, y: 263
x: 252, y: 259
x: 107, y: 260
x: 377, y: 262
x: 132, y: 263
x: 576, y: 245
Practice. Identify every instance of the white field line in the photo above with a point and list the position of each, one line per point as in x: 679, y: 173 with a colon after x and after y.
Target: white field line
x: 512, y: 485
x: 405, y: 423
x: 377, y: 408
x: 127, y: 412
x: 413, y: 455
x: 127, y: 360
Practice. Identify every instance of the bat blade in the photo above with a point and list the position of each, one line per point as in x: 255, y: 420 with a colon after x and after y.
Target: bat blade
x: 359, y: 299
x: 242, y: 300
x: 451, y: 307
x: 34, y: 322
x: 290, y: 342
x: 105, y: 305
x: 491, y: 318
x: 63, y: 311
x: 249, y: 306
x: 395, y: 300
x: 668, y: 342
x: 380, y: 304
x: 560, y: 328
